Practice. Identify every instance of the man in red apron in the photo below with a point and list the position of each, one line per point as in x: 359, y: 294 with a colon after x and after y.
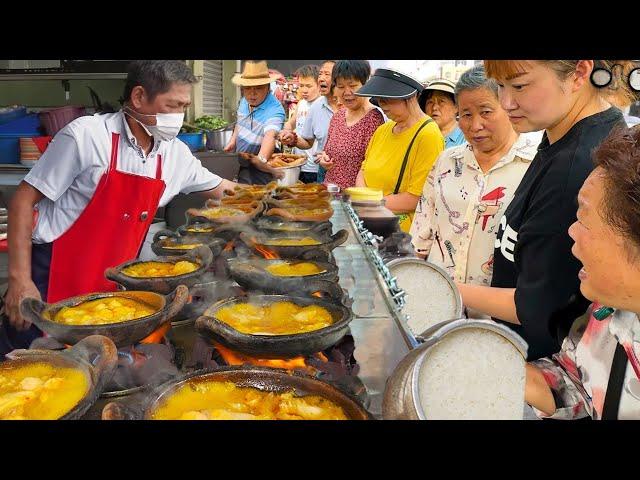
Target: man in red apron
x: 97, y: 188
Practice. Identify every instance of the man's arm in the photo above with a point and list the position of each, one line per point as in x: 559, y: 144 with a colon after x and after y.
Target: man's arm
x: 20, y: 227
x: 266, y: 150
x: 231, y: 146
x: 218, y: 192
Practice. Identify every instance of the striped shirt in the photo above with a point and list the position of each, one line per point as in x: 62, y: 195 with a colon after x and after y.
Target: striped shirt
x: 252, y: 125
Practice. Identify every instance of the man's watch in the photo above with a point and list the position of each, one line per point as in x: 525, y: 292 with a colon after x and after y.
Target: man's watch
x: 261, y: 158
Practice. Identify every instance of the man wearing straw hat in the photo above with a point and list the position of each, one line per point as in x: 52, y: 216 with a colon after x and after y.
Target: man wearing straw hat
x: 260, y: 118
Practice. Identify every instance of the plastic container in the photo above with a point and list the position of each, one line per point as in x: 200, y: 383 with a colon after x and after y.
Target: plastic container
x: 10, y: 114
x: 10, y: 134
x: 32, y: 148
x: 56, y: 119
x: 195, y: 141
x: 364, y: 193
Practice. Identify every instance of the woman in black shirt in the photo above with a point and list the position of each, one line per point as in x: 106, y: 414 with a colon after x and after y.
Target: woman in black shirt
x: 535, y: 276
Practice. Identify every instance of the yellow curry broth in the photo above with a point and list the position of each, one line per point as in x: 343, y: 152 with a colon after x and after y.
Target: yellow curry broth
x: 39, y: 391
x: 160, y: 269
x: 300, y: 269
x: 216, y: 400
x: 280, y: 318
x: 173, y: 245
x: 292, y: 242
x: 103, y: 311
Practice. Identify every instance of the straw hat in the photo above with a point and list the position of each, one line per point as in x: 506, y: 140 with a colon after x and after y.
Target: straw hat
x: 254, y: 74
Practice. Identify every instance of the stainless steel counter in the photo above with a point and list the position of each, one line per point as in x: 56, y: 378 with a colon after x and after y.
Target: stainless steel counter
x: 379, y: 341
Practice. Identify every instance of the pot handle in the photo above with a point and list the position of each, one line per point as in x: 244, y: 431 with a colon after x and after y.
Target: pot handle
x: 338, y: 239
x: 203, y: 254
x: 177, y: 299
x: 321, y: 254
x: 118, y: 411
x: 323, y: 228
x: 101, y: 353
x: 115, y: 275
x: 332, y: 289
x: 165, y: 233
x: 32, y: 308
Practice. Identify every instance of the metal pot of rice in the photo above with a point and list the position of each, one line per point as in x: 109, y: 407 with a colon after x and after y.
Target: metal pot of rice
x: 432, y: 297
x: 466, y: 370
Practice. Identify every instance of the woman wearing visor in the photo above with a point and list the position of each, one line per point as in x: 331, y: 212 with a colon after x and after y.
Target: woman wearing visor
x: 402, y: 151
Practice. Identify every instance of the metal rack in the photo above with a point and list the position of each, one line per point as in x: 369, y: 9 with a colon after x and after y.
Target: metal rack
x: 394, y: 296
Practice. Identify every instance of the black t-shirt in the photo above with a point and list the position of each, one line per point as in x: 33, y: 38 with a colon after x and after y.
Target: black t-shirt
x: 533, y: 247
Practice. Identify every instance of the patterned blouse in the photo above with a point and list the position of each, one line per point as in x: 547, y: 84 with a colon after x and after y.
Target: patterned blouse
x: 578, y: 375
x: 346, y: 146
x: 458, y: 215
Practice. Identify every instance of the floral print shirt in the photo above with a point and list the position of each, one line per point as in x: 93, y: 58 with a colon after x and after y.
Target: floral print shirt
x: 346, y: 145
x: 578, y: 375
x: 458, y: 215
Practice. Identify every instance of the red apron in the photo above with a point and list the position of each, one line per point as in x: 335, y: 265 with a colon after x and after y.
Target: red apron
x: 108, y: 232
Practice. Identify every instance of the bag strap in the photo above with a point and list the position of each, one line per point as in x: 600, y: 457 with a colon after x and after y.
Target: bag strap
x: 614, y: 386
x: 406, y: 155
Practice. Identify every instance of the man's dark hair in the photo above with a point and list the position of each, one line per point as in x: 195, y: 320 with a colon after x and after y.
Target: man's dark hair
x: 156, y: 76
x: 308, y: 71
x: 357, y: 69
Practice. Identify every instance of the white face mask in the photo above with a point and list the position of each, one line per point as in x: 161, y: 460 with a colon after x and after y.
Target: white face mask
x: 167, y: 125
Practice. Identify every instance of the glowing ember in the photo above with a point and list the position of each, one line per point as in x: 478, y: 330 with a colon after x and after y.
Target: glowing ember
x: 229, y: 246
x: 265, y: 252
x: 235, y: 358
x: 158, y: 334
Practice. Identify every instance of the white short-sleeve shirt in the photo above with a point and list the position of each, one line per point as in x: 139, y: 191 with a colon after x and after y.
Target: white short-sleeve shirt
x: 69, y: 170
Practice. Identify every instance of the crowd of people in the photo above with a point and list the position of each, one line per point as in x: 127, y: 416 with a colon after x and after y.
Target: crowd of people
x: 495, y: 180
x: 521, y: 180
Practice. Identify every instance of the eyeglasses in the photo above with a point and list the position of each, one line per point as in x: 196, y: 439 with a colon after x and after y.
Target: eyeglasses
x: 602, y: 77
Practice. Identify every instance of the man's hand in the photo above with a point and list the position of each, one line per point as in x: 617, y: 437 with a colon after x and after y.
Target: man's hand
x: 287, y: 137
x: 323, y: 159
x: 230, y: 147
x: 277, y: 172
x: 15, y: 294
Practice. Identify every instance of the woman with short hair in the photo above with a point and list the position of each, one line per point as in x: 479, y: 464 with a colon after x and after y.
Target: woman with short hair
x: 472, y: 185
x: 597, y: 371
x: 351, y: 127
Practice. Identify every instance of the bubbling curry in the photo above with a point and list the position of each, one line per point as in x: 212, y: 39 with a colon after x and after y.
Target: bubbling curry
x: 280, y: 318
x: 216, y: 400
x: 173, y: 245
x: 160, y: 269
x: 292, y: 242
x: 39, y: 391
x: 299, y: 269
x: 200, y: 229
x: 103, y: 311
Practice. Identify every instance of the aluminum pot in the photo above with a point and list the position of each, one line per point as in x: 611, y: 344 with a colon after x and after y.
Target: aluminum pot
x: 218, y: 139
x: 291, y: 176
x: 95, y: 356
x: 401, y: 394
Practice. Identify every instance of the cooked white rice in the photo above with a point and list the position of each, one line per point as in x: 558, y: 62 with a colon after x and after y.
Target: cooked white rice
x: 430, y: 299
x: 472, y: 374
